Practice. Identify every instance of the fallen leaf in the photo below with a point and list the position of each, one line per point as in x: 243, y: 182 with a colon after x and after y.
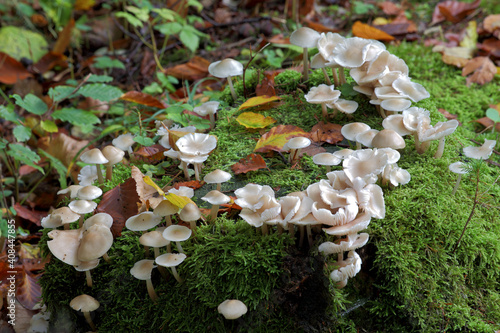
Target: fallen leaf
x: 279, y: 39
x: 49, y: 61
x: 152, y: 154
x: 447, y: 115
x: 64, y: 38
x: 194, y: 69
x: 29, y: 292
x: 469, y: 40
x: 453, y: 11
x: 194, y: 184
x: 363, y: 30
x: 143, y: 99
x: 11, y: 70
x: 488, y: 123
x: 250, y: 163
x: 491, y: 23
x: 173, y: 136
x: 483, y: 70
x: 39, y: 20
x: 121, y: 203
x: 394, y: 29
x: 145, y: 191
x: 257, y: 101
x: 29, y: 214
x: 254, y: 120
x: 490, y: 47
x: 266, y: 87
x: 83, y: 4
x: 319, y: 27
x: 326, y: 132
x: 275, y: 139
x: 390, y: 8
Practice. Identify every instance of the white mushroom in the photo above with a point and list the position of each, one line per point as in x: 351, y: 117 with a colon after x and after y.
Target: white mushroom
x: 226, y: 69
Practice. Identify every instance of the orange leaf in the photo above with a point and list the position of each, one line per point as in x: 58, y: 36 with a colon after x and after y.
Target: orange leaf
x: 453, y: 11
x: 152, y: 154
x: 266, y: 87
x: 194, y: 69
x: 49, y: 61
x: 250, y: 163
x: 319, y: 27
x: 256, y: 101
x: 29, y: 291
x: 447, y: 115
x: 328, y: 132
x: 254, y: 120
x: 11, y: 70
x: 366, y: 31
x: 64, y: 38
x: 491, y: 23
x: 121, y: 203
x: 275, y: 139
x: 143, y: 99
x: 484, y: 70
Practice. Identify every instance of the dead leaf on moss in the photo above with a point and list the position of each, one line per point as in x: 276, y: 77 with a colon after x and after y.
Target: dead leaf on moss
x: 11, y: 70
x: 491, y: 23
x: 488, y: 123
x: 266, y: 86
x: 326, y: 132
x: 258, y: 101
x: 29, y: 214
x: 152, y: 154
x: 146, y: 193
x: 447, y: 115
x: 250, y: 163
x: 483, y: 70
x: 275, y: 139
x: 254, y: 120
x: 363, y: 30
x: 194, y: 184
x: 194, y: 69
x: 143, y: 99
x: 453, y: 11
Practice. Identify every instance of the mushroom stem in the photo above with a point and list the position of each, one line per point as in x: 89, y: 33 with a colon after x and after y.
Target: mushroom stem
x: 151, y: 290
x: 440, y: 148
x: 212, y: 120
x: 176, y: 275
x: 146, y: 251
x: 457, y: 184
x: 328, y: 168
x: 230, y: 82
x: 219, y: 187
x: 109, y: 172
x: 99, y: 174
x: 301, y: 238
x: 213, y: 212
x: 168, y: 220
x: 179, y: 247
x: 264, y: 229
x: 156, y: 251
x: 305, y: 60
x: 280, y: 229
x: 309, y: 235
x: 327, y: 78
x: 86, y: 314
x: 88, y: 278
x: 358, y: 145
x: 324, y: 110
x: 197, y: 171
x: 294, y: 155
x: 341, y: 75
x: 184, y: 168
x: 291, y: 230
x: 80, y: 221
x: 417, y: 142
x: 335, y: 77
x: 192, y: 224
x: 106, y: 257
x: 423, y: 146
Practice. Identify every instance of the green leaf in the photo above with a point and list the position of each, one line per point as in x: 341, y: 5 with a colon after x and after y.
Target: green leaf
x: 49, y: 126
x: 24, y: 155
x: 171, y: 28
x: 60, y: 93
x: 196, y: 4
x: 144, y: 141
x: 166, y: 14
x: 32, y: 104
x: 100, y: 78
x: 141, y: 13
x: 347, y: 90
x: 22, y: 43
x: 100, y: 91
x: 189, y: 39
x: 59, y: 166
x: 22, y: 133
x: 111, y: 129
x: 107, y: 62
x: 493, y: 114
x: 8, y: 114
x: 76, y: 116
x: 130, y: 19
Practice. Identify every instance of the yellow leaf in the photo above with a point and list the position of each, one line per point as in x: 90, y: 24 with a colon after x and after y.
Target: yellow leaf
x: 363, y: 30
x: 177, y: 200
x: 84, y: 4
x: 380, y: 21
x: 254, y: 120
x: 256, y: 101
x: 275, y: 139
x: 470, y: 39
x: 150, y: 182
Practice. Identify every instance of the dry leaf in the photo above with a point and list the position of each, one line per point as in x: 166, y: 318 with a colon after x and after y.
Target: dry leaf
x: 29, y: 214
x: 390, y: 8
x: 275, y: 139
x: 121, y: 203
x: 250, y: 163
x: 146, y: 192
x: 266, y: 87
x: 194, y: 69
x: 254, y: 120
x: 484, y: 70
x: 491, y: 23
x: 152, y: 154
x: 329, y: 133
x: 488, y: 123
x: 453, y: 11
x: 49, y: 61
x: 194, y: 184
x: 143, y: 99
x: 447, y: 115
x: 29, y: 291
x: 11, y: 70
x: 258, y: 101
x: 319, y: 27
x: 366, y: 31
x: 64, y: 38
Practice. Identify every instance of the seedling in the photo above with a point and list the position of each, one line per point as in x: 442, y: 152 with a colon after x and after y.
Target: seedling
x: 494, y: 115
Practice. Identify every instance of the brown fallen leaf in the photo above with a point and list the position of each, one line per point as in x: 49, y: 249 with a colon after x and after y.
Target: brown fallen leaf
x: 483, y: 70
x: 29, y: 214
x: 488, y: 123
x: 64, y: 38
x: 326, y: 132
x: 250, y: 163
x: 275, y: 139
x: 49, y: 61
x: 148, y: 195
x: 363, y: 30
x: 194, y: 184
x: 29, y: 292
x: 266, y: 87
x: 143, y: 99
x: 12, y: 70
x: 390, y: 8
x: 121, y: 203
x: 194, y: 69
x: 492, y: 23
x: 453, y: 11
x: 152, y: 154
x: 447, y: 115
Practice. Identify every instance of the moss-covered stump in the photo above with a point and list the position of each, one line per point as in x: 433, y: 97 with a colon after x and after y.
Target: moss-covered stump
x: 411, y: 277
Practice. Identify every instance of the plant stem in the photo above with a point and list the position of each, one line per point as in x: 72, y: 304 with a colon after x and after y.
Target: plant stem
x: 35, y: 186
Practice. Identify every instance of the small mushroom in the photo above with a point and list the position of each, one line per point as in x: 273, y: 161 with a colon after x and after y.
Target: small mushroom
x: 225, y: 69
x: 295, y: 145
x: 60, y: 216
x: 326, y: 159
x: 215, y: 198
x: 439, y: 132
x: 305, y: 38
x: 95, y: 243
x: 165, y: 209
x: 190, y: 213
x: 143, y: 221
x: 114, y: 155
x: 350, y: 131
x: 89, y: 192
x: 480, y: 153
x: 458, y: 168
x: 72, y: 190
x: 171, y: 260
x: 217, y: 177
x: 388, y: 139
x: 82, y: 207
x: 324, y: 95
x: 177, y: 234
x: 86, y: 304
x: 95, y: 156
x: 232, y: 309
x: 87, y: 266
x: 124, y: 142
x: 155, y: 240
x: 209, y: 108
x: 142, y: 270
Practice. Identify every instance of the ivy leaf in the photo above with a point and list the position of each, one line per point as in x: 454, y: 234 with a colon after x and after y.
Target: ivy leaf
x: 100, y: 91
x: 32, y: 104
x: 24, y: 155
x: 49, y: 126
x: 22, y: 133
x: 76, y: 116
x: 59, y: 166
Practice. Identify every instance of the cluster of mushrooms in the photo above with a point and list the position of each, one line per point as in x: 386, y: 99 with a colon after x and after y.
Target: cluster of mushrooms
x: 341, y: 205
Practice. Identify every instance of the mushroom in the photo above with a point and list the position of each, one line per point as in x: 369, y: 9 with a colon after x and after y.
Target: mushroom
x: 295, y: 145
x: 171, y: 260
x: 326, y: 159
x: 155, y: 240
x: 177, y: 234
x: 225, y: 69
x: 209, y: 108
x: 317, y: 61
x: 217, y: 177
x: 305, y: 38
x: 232, y: 309
x: 124, y: 142
x: 95, y: 156
x: 165, y: 209
x: 350, y: 131
x: 86, y: 304
x: 89, y: 192
x: 82, y: 207
x: 387, y: 138
x: 324, y: 95
x: 95, y: 242
x: 439, y: 132
x: 345, y: 106
x: 143, y: 221
x: 114, y: 155
x: 99, y: 218
x: 86, y: 266
x: 215, y: 198
x: 190, y: 213
x: 72, y: 190
x: 142, y: 270
x: 60, y: 216
x: 64, y: 245
x: 458, y: 168
x: 480, y: 153
x: 366, y: 138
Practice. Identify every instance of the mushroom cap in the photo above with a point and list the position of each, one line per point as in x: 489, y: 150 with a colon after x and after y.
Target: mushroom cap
x: 82, y: 206
x: 190, y: 212
x: 196, y: 144
x: 395, y: 104
x: 143, y: 221
x: 364, y: 163
x: 165, y: 208
x: 298, y: 142
x: 89, y: 192
x: 304, y: 37
x: 346, y: 106
x: 142, y: 269
x: 317, y: 61
x: 326, y: 159
x: 359, y: 223
x: 207, y: 108
x: 217, y: 176
x: 84, y: 303
x: 482, y: 152
x: 350, y: 131
x: 322, y: 94
x: 216, y: 198
x: 232, y: 309
x: 124, y: 142
x: 192, y: 159
x: 100, y: 218
x: 351, y: 267
x: 326, y: 44
x: 386, y: 92
x: 154, y: 239
x: 415, y: 91
x: 225, y: 68
x: 366, y: 138
x: 352, y: 242
x: 182, y: 191
x: 351, y: 52
x: 414, y: 118
x: 113, y: 154
x: 93, y: 156
x: 395, y: 123
x: 343, y: 153
x: 177, y: 233
x: 387, y: 138
x: 87, y: 265
x: 64, y: 245
x: 95, y: 242
x: 59, y: 217
x: 438, y: 131
x: 72, y: 190
x: 458, y: 167
x: 170, y: 259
